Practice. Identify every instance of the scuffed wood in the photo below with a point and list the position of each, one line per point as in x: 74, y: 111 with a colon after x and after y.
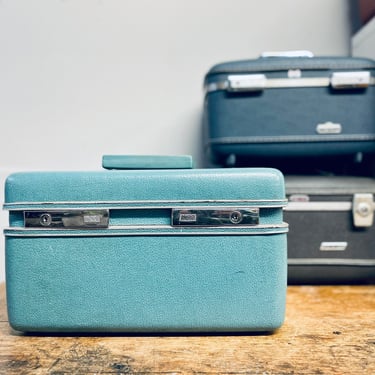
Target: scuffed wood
x: 328, y: 330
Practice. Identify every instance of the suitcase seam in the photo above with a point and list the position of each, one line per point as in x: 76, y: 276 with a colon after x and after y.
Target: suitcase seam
x: 291, y: 139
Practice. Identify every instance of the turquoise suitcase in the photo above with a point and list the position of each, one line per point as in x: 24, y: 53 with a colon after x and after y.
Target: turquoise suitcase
x: 152, y: 245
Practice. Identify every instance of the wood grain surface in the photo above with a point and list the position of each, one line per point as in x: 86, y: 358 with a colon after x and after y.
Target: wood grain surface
x: 328, y: 330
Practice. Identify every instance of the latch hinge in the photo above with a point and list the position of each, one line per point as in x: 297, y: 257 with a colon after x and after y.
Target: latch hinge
x: 363, y: 210
x: 350, y: 80
x: 203, y: 217
x: 246, y: 82
x: 72, y: 219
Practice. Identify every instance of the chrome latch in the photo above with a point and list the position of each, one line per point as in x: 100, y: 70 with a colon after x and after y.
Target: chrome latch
x: 215, y: 216
x: 350, y: 80
x: 246, y: 82
x: 363, y: 210
x: 70, y: 219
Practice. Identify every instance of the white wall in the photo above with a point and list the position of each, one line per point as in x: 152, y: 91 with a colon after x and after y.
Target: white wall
x: 80, y: 78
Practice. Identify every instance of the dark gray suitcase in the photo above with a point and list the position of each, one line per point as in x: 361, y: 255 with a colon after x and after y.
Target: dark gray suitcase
x: 331, y: 229
x: 275, y: 107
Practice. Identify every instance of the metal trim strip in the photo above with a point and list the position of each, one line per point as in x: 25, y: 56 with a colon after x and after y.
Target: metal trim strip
x: 331, y: 262
x: 319, y: 206
x: 278, y: 83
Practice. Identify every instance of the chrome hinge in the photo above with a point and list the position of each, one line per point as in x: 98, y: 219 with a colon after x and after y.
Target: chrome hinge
x: 363, y: 210
x: 72, y: 219
x: 246, y: 82
x: 350, y: 80
x: 215, y: 217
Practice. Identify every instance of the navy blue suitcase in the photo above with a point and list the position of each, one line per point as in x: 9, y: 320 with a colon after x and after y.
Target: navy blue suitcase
x: 287, y: 107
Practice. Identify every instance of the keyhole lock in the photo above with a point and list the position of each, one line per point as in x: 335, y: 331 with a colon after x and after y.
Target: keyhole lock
x: 45, y: 220
x: 235, y: 217
x: 364, y: 209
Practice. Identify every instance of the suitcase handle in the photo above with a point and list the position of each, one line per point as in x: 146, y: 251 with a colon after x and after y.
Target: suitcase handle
x: 300, y: 53
x: 147, y: 162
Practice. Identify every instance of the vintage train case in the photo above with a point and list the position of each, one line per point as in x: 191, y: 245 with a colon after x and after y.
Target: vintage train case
x: 147, y: 249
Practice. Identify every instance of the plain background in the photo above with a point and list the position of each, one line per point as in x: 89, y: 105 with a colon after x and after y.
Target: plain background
x: 82, y: 78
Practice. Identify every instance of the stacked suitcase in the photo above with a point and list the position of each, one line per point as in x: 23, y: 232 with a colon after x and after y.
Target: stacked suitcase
x: 314, y: 119
x: 153, y: 245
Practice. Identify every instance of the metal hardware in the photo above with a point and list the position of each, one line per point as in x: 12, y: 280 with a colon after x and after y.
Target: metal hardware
x: 294, y: 73
x: 363, y: 210
x: 333, y: 246
x: 292, y: 82
x: 349, y: 80
x: 215, y: 217
x: 331, y: 262
x: 246, y: 82
x: 74, y: 219
x: 268, y: 83
x: 318, y: 206
x: 45, y: 220
x: 358, y: 157
x: 230, y: 161
x: 299, y: 198
x: 329, y: 128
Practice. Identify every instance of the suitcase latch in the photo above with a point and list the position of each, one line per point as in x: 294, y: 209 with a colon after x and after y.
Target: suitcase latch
x: 246, y: 82
x: 363, y: 210
x: 350, y: 80
x: 71, y: 219
x: 215, y: 217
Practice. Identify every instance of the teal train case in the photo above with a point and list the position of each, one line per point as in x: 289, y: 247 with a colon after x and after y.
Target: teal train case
x: 149, y: 246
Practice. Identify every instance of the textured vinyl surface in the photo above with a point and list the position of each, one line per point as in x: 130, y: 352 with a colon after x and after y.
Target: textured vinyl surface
x: 153, y: 185
x: 147, y: 284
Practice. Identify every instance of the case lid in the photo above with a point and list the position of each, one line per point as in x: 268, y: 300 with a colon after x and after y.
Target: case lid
x: 145, y: 188
x: 291, y: 72
x: 270, y: 64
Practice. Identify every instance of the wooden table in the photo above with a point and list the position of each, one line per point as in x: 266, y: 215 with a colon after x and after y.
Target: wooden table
x: 328, y: 330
